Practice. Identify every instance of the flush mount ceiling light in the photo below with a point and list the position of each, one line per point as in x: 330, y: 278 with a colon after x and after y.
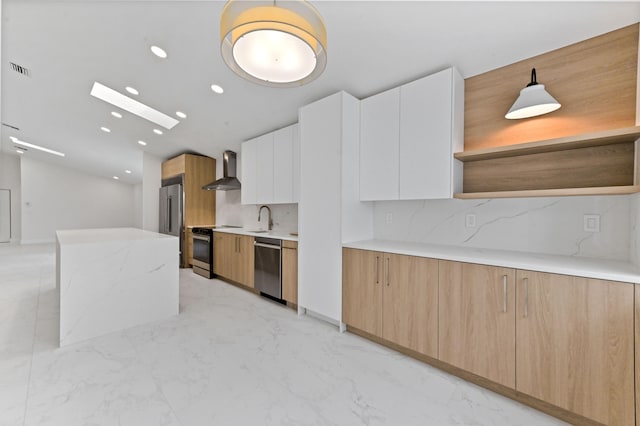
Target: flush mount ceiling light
x: 38, y: 147
x: 124, y: 102
x: 132, y: 90
x: 181, y: 114
x: 273, y: 43
x: 533, y: 100
x: 217, y: 89
x: 116, y: 114
x: 105, y: 129
x: 157, y: 131
x: 143, y: 143
x: 159, y: 52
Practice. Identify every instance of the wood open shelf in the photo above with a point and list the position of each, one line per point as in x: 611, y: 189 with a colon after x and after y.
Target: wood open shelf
x: 601, y: 163
x: 608, y: 137
x: 605, y: 190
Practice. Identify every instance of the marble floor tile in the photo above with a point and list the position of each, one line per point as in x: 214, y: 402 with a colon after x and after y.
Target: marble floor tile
x: 229, y: 358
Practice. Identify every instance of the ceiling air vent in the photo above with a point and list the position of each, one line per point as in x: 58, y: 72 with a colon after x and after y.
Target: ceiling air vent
x: 20, y: 69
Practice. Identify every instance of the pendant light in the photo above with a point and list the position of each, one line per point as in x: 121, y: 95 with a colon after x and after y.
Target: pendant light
x: 533, y: 101
x: 278, y: 44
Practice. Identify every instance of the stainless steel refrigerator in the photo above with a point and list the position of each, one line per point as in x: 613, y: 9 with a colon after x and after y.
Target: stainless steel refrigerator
x: 171, y: 213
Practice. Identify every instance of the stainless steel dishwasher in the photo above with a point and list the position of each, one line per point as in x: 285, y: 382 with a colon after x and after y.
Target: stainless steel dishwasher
x: 268, y: 267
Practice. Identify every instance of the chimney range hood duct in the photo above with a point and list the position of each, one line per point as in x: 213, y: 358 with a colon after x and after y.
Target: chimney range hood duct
x: 229, y: 181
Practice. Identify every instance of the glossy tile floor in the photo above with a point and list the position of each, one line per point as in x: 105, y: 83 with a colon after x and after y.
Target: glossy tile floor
x: 229, y: 358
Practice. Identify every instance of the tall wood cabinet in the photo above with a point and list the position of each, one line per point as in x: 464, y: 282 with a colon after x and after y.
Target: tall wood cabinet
x: 233, y: 257
x: 477, y: 320
x: 392, y: 296
x: 199, y: 205
x: 575, y: 344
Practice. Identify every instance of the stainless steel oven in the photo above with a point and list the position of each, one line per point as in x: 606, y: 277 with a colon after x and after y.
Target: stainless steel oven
x: 203, y: 252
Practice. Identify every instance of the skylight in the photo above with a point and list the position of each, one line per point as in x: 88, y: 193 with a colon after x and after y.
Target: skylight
x: 124, y: 102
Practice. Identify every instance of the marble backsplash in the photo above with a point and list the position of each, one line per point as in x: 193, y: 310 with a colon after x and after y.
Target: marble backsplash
x: 540, y: 225
x: 230, y: 211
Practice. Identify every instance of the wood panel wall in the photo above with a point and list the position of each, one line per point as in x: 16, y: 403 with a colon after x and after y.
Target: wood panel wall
x: 594, y: 80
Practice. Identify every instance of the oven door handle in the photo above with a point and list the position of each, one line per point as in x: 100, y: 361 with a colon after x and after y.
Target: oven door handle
x: 202, y: 237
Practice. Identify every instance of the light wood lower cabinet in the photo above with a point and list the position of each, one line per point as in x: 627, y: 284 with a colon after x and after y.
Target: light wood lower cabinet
x: 392, y: 296
x: 477, y: 320
x: 575, y: 344
x: 233, y: 257
x: 189, y: 249
x: 362, y: 290
x: 410, y: 303
x: 290, y: 271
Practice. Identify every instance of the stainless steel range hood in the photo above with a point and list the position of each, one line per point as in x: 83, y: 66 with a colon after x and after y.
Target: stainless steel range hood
x: 229, y: 181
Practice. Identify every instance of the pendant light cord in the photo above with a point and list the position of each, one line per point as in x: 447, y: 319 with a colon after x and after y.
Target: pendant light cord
x: 533, y: 78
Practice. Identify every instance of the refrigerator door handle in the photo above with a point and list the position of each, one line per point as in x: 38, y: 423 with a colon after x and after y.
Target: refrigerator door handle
x: 169, y: 213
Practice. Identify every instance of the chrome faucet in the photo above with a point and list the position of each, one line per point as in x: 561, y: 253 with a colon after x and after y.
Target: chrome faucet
x: 270, y: 220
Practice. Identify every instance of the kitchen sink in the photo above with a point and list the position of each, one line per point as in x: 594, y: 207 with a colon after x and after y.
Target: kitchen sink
x: 258, y: 231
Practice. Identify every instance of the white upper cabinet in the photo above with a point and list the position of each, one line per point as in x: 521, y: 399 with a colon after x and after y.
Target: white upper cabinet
x: 264, y: 169
x: 283, y: 165
x: 379, y: 140
x: 296, y: 163
x: 274, y: 163
x: 430, y: 110
x: 408, y: 154
x: 248, y: 169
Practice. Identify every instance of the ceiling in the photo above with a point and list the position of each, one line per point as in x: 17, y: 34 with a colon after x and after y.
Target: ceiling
x: 372, y: 46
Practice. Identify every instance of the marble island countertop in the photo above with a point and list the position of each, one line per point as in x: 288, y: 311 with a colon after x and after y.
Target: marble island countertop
x: 83, y: 236
x: 278, y: 234
x: 567, y: 265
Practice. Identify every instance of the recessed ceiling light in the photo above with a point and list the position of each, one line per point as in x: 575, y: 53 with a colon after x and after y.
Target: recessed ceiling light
x: 132, y: 90
x: 217, y: 88
x: 159, y: 52
x: 116, y: 114
x: 19, y: 151
x: 181, y: 114
x: 105, y: 129
x: 157, y: 131
x: 38, y: 147
x: 128, y: 172
x: 124, y: 102
x: 143, y: 143
x: 116, y: 177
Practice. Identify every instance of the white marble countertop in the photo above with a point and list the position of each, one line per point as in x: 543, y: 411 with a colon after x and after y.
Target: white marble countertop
x: 83, y: 236
x: 280, y: 235
x: 557, y: 264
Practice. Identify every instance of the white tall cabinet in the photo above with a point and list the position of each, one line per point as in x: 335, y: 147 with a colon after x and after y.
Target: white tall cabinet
x: 329, y: 210
x: 408, y: 137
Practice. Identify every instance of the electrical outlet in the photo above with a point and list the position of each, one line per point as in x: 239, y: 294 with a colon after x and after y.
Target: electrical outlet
x: 470, y: 220
x: 591, y: 222
x: 389, y: 218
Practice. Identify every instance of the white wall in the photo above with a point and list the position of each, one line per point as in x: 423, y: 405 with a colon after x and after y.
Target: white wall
x: 10, y: 179
x: 540, y: 225
x: 151, y: 182
x: 137, y: 206
x: 54, y: 198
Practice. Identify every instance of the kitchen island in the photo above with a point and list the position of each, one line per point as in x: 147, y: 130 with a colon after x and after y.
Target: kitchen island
x: 114, y: 278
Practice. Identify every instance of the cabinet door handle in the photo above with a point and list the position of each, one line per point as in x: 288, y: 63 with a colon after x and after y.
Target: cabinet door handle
x: 504, y: 293
x: 377, y: 270
x: 526, y: 297
x: 387, y: 272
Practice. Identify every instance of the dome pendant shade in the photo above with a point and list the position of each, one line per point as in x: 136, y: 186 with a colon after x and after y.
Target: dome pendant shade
x: 278, y: 44
x: 533, y: 100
